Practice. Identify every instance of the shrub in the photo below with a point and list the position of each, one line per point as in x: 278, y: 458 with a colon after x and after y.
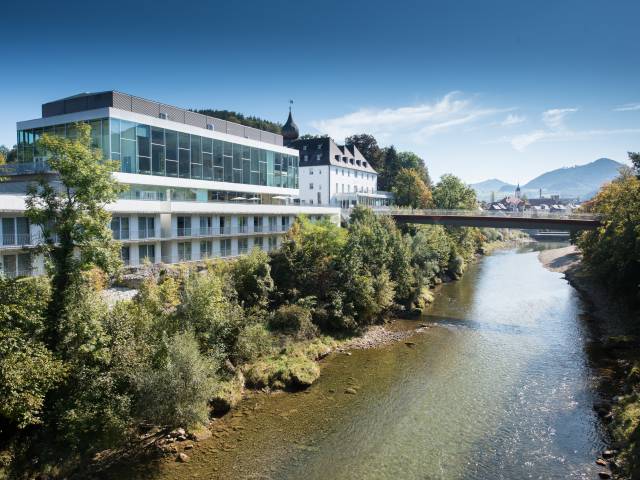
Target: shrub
x: 227, y: 394
x: 209, y: 309
x: 27, y: 372
x: 294, y: 320
x: 252, y: 280
x: 283, y: 372
x: 253, y: 341
x: 177, y: 393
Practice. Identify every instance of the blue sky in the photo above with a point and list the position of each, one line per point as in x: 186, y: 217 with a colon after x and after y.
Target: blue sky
x: 482, y: 89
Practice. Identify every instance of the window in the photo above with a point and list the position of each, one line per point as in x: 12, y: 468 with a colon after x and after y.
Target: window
x: 311, y: 186
x: 206, y: 249
x: 273, y: 243
x: 243, y: 246
x: 258, y: 243
x: 318, y: 157
x: 311, y: 171
x: 225, y: 247
x: 147, y: 253
x: 257, y: 225
x: 206, y: 225
x: 243, y: 224
x: 304, y: 147
x: 184, y: 226
x: 17, y: 265
x: 125, y: 255
x: 306, y: 158
x: 120, y: 228
x: 146, y: 227
x: 285, y: 223
x: 184, y: 251
x: 15, y: 231
x: 225, y: 225
x: 319, y: 147
x: 273, y: 224
x: 319, y: 198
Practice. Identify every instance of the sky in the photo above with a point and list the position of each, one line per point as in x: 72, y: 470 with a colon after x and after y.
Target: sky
x: 481, y: 89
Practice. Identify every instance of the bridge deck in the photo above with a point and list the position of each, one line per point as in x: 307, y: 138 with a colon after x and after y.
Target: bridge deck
x: 496, y: 219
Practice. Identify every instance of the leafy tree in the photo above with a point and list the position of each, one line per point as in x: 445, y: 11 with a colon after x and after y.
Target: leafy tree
x: 72, y: 217
x: 410, y: 190
x: 249, y: 121
x: 8, y: 155
x: 612, y: 251
x: 635, y: 160
x: 368, y: 146
x: 390, y: 169
x: 177, y: 393
x: 252, y: 279
x: 451, y: 193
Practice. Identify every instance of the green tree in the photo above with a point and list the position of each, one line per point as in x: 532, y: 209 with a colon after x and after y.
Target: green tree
x: 451, y: 193
x: 410, y: 190
x: 635, y: 160
x: 612, y: 251
x: 252, y: 279
x: 72, y: 217
x: 368, y: 146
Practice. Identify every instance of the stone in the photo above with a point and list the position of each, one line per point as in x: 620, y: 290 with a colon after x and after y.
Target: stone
x: 188, y: 446
x: 180, y: 431
x: 602, y: 462
x: 200, y: 434
x: 608, y: 453
x: 604, y: 474
x: 182, y: 457
x: 348, y: 354
x: 181, y: 438
x: 351, y: 391
x: 410, y: 344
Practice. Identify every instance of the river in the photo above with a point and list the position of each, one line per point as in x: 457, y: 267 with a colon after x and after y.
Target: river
x: 499, y: 387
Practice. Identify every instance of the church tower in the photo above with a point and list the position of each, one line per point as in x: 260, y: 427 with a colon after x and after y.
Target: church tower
x: 290, y: 130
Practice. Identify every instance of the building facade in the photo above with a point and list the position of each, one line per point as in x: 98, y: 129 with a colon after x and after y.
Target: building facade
x: 336, y: 175
x: 199, y: 186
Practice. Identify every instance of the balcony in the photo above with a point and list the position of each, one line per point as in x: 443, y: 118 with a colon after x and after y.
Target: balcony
x: 12, y: 240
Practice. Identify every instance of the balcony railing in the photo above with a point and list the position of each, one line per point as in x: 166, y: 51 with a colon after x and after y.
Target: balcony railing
x: 183, y: 232
x: 12, y: 239
x: 17, y: 273
x: 122, y: 234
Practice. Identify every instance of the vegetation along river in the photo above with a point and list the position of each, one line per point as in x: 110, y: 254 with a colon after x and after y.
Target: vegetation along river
x: 498, y: 387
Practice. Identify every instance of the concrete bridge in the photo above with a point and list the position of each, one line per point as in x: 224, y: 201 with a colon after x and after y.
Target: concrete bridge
x: 496, y: 219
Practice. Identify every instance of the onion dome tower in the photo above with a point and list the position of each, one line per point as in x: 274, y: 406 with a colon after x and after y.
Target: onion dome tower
x: 518, y: 191
x: 290, y: 130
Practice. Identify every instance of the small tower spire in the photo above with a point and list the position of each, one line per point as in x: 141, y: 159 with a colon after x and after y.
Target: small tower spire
x: 290, y: 130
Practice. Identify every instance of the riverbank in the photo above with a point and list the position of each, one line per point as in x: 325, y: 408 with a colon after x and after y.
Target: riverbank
x: 615, y: 352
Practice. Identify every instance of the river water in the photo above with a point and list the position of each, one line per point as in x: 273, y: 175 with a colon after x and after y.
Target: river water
x: 498, y: 387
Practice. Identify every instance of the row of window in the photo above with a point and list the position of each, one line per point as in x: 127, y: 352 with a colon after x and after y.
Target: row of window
x: 147, y: 252
x: 15, y: 231
x: 151, y: 150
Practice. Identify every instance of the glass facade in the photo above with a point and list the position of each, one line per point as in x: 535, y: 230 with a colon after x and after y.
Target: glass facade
x: 157, y: 151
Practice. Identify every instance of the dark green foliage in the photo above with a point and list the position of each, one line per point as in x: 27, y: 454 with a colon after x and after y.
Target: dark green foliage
x: 249, y: 121
x: 294, y: 320
x: 451, y: 193
x: 177, y: 392
x: 252, y: 279
x: 612, y: 251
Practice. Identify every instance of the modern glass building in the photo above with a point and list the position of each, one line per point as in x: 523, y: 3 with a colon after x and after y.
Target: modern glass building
x: 198, y: 186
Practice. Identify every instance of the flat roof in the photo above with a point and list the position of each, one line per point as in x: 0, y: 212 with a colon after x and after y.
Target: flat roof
x: 123, y: 101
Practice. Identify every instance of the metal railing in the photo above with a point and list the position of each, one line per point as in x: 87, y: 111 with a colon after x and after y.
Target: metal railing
x: 13, y: 239
x: 487, y: 213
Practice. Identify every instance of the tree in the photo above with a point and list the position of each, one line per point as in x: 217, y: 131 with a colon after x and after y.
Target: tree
x: 410, y: 190
x: 635, y: 160
x: 612, y: 251
x: 368, y: 146
x: 73, y: 218
x: 452, y: 194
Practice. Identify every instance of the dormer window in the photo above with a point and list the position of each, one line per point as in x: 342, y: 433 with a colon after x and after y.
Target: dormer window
x: 304, y: 147
x: 358, y: 162
x: 306, y: 158
x: 319, y: 146
x: 351, y: 161
x: 318, y: 157
x: 344, y: 159
x: 364, y: 164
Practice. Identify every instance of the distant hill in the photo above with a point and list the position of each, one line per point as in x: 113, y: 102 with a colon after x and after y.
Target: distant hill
x: 581, y: 181
x: 248, y: 121
x: 578, y: 181
x: 494, y: 185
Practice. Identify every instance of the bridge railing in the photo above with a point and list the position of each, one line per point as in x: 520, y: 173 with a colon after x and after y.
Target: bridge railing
x: 541, y: 214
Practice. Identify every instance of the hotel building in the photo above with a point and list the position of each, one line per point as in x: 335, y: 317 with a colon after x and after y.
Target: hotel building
x: 199, y: 187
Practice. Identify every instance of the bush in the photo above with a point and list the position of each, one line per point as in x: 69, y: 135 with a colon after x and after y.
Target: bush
x: 177, y: 393
x: 252, y: 279
x: 253, y: 341
x: 27, y: 372
x: 283, y: 372
x: 209, y: 309
x: 294, y: 320
x: 227, y: 394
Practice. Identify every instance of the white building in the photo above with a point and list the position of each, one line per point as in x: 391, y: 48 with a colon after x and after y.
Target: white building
x: 336, y: 175
x: 199, y: 186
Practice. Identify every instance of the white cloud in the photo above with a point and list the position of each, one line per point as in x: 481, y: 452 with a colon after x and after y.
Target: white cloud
x: 521, y: 142
x: 512, y: 119
x: 415, y: 122
x: 554, y: 118
x: 627, y: 107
